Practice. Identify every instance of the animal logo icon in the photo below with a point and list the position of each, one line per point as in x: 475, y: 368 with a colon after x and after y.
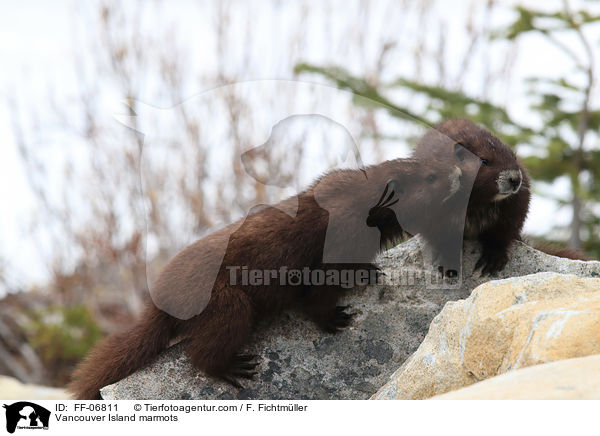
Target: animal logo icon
x: 26, y: 415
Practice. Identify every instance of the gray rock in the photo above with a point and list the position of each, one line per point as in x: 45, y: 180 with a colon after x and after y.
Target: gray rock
x: 298, y: 361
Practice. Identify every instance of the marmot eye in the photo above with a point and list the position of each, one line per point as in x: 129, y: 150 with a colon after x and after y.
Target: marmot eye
x: 431, y: 178
x: 484, y: 162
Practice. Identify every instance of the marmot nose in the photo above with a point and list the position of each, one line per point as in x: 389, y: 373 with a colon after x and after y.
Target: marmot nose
x: 515, y: 182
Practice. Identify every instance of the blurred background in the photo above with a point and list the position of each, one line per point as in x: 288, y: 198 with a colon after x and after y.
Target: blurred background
x: 123, y: 124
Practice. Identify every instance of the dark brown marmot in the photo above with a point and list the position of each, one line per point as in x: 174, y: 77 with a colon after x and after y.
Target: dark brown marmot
x: 500, y: 194
x: 340, y: 223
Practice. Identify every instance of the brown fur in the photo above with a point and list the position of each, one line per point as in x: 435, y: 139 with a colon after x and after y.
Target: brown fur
x: 560, y: 251
x: 340, y: 211
x: 495, y: 223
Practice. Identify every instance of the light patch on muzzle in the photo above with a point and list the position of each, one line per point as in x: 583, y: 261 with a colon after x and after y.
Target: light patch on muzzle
x: 454, y: 177
x: 509, y: 183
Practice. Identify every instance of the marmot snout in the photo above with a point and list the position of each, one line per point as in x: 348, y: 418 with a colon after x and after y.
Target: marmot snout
x: 509, y: 183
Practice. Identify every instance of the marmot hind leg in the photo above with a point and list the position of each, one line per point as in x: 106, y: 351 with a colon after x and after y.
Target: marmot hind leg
x: 219, y: 332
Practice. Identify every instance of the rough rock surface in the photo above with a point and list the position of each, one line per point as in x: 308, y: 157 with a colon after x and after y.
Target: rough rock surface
x: 503, y: 326
x: 13, y: 389
x: 570, y: 379
x: 300, y: 362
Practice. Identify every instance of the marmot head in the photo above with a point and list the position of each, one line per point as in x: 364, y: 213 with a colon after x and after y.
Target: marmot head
x: 499, y: 174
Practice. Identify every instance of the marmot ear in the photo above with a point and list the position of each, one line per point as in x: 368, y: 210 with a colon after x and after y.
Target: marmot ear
x: 460, y: 151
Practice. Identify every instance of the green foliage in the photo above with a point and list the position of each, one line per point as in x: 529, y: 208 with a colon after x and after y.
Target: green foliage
x: 62, y: 335
x: 364, y: 94
x: 441, y: 103
x: 531, y: 20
